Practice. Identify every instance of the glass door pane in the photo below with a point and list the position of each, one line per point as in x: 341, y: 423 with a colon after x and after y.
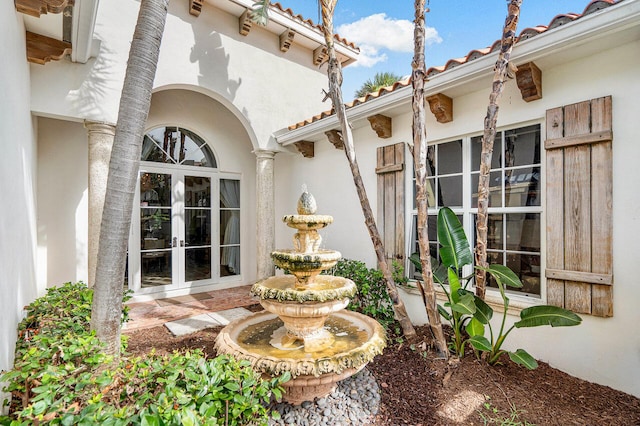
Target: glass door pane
x: 197, y: 228
x: 229, y: 227
x: 155, y: 229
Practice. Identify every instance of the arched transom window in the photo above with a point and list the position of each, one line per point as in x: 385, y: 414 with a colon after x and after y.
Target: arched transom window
x: 175, y: 145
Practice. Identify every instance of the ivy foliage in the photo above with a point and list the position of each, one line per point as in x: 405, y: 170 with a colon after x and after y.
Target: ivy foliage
x: 62, y: 377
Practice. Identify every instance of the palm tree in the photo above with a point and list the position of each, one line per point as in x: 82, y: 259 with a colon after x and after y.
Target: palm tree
x: 418, y: 77
x: 380, y: 80
x: 335, y: 92
x: 502, y: 69
x: 123, y: 170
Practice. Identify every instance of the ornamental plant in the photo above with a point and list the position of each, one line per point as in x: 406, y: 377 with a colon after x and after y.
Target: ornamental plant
x: 62, y: 377
x: 469, y: 315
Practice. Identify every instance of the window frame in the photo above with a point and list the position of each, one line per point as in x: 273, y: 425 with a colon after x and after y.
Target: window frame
x: 468, y: 212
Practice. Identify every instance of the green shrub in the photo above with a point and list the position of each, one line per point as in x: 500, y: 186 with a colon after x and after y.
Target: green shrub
x: 372, y: 298
x: 61, y: 376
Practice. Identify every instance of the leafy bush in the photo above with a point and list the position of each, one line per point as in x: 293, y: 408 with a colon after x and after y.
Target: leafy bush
x: 61, y: 376
x: 372, y: 298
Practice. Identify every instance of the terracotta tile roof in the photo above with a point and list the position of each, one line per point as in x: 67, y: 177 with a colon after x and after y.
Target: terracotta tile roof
x: 312, y: 24
x: 525, y: 34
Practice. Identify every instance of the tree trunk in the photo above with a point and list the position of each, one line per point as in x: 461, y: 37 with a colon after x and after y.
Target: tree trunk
x: 335, y: 81
x: 501, y: 72
x: 418, y: 77
x: 123, y: 170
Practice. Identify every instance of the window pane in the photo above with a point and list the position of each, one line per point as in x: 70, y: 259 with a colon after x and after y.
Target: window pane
x: 494, y: 231
x: 229, y: 227
x: 197, y: 191
x: 522, y: 146
x: 431, y: 160
x: 527, y: 268
x: 495, y: 189
x: 198, y: 227
x: 198, y: 264
x: 155, y: 228
x: 229, y: 261
x: 522, y: 187
x: 523, y: 232
x: 155, y: 268
x: 494, y: 258
x: 450, y: 191
x: 450, y: 157
x: 476, y: 152
x: 229, y: 193
x: 177, y: 146
x: 155, y: 189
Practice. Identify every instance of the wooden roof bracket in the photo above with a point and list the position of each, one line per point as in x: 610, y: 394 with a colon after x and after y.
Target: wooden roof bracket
x: 286, y: 38
x: 36, y: 8
x: 529, y: 80
x: 42, y: 49
x: 306, y: 148
x: 195, y: 7
x: 441, y: 107
x: 335, y: 137
x: 319, y: 55
x: 381, y: 124
x: 245, y: 22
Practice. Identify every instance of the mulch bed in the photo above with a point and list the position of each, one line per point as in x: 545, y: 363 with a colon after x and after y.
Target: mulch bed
x: 419, y: 389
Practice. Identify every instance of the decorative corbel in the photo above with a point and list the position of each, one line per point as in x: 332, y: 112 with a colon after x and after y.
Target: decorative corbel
x: 195, y: 7
x: 286, y: 38
x: 335, y: 137
x: 319, y: 55
x: 381, y: 124
x: 42, y: 49
x: 245, y: 22
x: 36, y: 8
x: 441, y: 107
x: 305, y: 148
x: 529, y: 80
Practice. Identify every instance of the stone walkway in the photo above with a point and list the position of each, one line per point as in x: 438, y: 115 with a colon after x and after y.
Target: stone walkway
x: 186, y: 314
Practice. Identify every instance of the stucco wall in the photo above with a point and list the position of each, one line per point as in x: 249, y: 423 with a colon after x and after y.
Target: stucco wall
x: 248, y: 74
x: 62, y: 201
x: 599, y: 350
x: 17, y: 185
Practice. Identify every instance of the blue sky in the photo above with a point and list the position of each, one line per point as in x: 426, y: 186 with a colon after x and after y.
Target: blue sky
x: 384, y: 30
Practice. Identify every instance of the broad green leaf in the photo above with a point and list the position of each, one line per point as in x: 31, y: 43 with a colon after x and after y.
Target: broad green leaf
x: 475, y: 328
x: 454, y: 285
x: 504, y: 275
x: 465, y: 305
x: 484, y: 312
x: 554, y: 316
x: 480, y: 343
x: 455, y: 250
x: 444, y: 313
x: 232, y: 386
x: 522, y: 357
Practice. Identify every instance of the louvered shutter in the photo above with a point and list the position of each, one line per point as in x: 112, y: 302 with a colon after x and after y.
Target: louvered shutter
x: 579, y: 207
x: 390, y: 170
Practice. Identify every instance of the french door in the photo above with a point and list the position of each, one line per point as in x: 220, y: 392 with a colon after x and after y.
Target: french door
x: 174, y: 230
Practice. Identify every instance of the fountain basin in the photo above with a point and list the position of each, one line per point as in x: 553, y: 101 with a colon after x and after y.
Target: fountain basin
x: 307, y: 221
x: 358, y: 339
x: 286, y: 288
x: 305, y: 266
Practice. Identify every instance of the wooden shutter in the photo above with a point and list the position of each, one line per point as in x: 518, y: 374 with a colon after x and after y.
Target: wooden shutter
x: 579, y: 197
x: 390, y: 170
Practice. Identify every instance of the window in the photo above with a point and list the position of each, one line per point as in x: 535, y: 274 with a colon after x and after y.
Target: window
x: 175, y: 145
x: 514, y: 199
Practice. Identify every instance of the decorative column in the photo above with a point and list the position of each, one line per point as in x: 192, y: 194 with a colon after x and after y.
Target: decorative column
x: 265, y: 201
x: 101, y: 137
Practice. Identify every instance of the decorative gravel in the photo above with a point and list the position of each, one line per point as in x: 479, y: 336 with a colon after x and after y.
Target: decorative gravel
x: 354, y: 402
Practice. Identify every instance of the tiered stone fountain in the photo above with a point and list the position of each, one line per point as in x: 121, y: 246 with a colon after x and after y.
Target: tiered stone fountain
x: 305, y: 329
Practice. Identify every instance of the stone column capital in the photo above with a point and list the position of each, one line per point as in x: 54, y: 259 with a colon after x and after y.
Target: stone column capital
x: 100, y: 127
x: 265, y: 153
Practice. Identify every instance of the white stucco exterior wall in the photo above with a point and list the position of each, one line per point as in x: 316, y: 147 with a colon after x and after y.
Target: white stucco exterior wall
x: 601, y: 350
x: 248, y: 74
x: 62, y: 201
x: 17, y: 185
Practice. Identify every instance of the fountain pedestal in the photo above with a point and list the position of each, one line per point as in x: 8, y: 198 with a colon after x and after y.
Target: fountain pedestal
x: 305, y: 330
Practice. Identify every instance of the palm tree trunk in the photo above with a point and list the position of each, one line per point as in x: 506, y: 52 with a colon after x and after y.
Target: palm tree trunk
x: 418, y: 77
x: 123, y: 169
x: 499, y: 77
x: 335, y: 81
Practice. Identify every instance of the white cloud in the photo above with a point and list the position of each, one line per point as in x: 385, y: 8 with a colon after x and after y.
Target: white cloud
x: 379, y: 32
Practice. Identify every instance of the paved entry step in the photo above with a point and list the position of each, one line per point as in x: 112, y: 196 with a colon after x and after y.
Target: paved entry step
x: 208, y: 320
